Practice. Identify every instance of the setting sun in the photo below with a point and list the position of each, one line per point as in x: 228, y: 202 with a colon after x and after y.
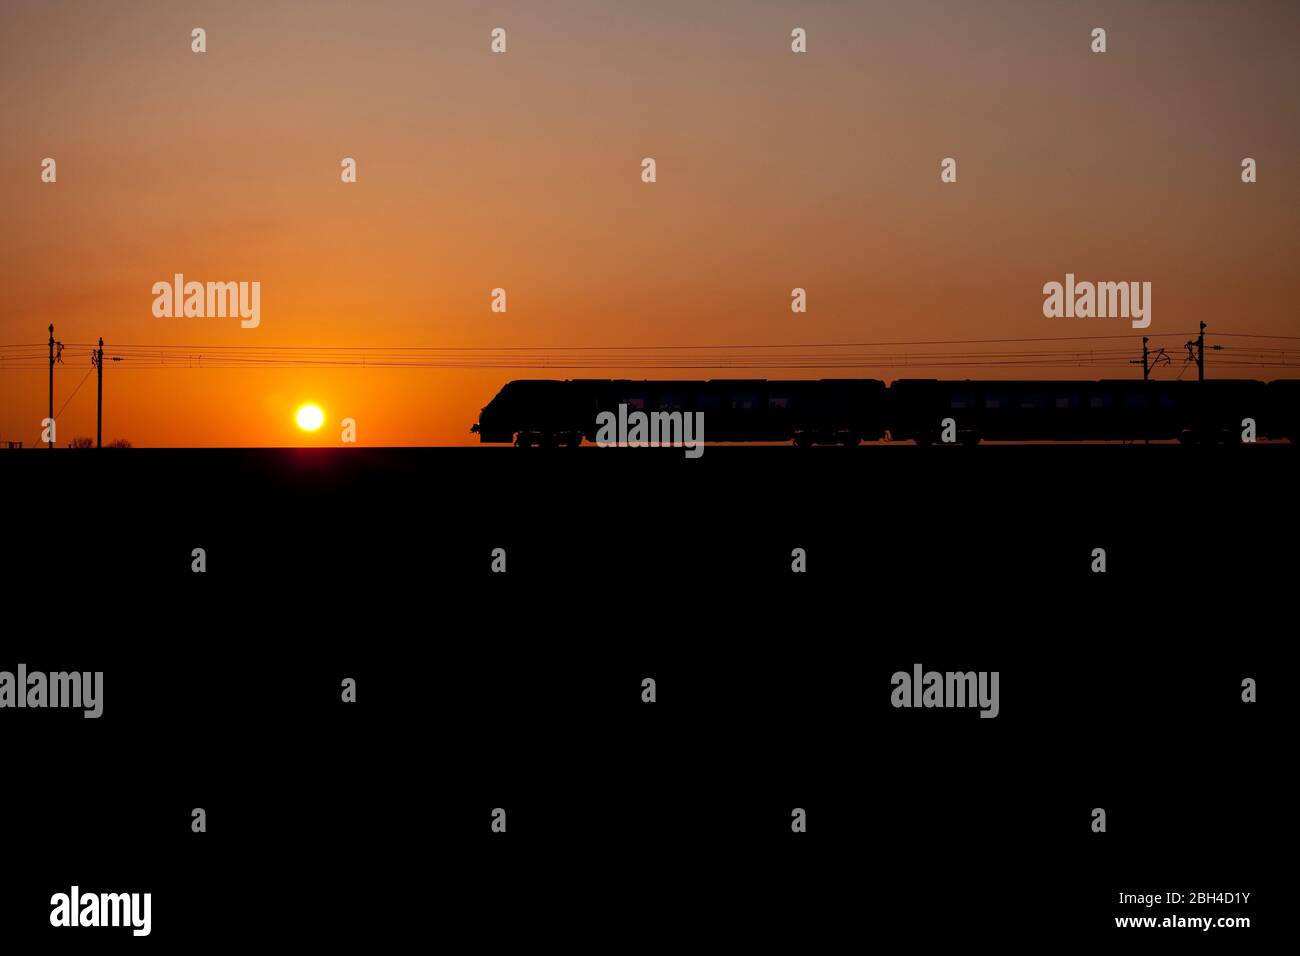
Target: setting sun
x: 310, y: 417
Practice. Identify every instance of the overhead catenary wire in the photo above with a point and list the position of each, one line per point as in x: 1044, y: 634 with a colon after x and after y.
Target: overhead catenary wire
x: 574, y: 348
x: 770, y: 356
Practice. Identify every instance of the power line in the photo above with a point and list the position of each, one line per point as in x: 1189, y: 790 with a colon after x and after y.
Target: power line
x: 793, y: 356
x: 59, y: 413
x: 602, y: 348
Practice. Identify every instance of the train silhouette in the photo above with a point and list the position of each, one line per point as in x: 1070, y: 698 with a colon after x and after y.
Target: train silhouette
x: 541, y: 412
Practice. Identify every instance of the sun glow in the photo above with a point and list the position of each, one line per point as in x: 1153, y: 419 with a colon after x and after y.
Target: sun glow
x: 310, y: 418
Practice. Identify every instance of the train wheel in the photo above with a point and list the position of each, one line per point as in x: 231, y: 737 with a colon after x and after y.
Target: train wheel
x: 523, y: 440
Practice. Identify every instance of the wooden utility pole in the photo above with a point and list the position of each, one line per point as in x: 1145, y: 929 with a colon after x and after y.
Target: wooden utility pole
x: 1199, y: 345
x: 1200, y: 354
x: 51, y: 417
x: 1145, y: 361
x: 99, y: 411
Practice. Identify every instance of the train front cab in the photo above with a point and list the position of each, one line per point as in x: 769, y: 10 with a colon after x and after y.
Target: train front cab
x: 537, y: 412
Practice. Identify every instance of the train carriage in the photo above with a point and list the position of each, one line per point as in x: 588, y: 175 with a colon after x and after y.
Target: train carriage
x: 848, y: 411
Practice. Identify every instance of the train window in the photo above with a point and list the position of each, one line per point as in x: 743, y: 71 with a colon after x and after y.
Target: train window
x: 1099, y: 401
x: 709, y: 402
x: 672, y: 401
x: 1067, y: 401
x: 744, y: 401
x: 995, y: 400
x: 962, y: 400
x: 634, y: 401
x: 778, y: 401
x: 1135, y: 401
x: 1031, y: 400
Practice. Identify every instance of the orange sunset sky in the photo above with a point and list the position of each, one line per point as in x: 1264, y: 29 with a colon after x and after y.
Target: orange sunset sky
x: 522, y: 171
